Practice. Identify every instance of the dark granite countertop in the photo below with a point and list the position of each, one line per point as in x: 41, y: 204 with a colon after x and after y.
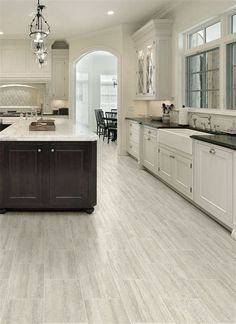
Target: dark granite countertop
x: 154, y: 123
x: 228, y: 141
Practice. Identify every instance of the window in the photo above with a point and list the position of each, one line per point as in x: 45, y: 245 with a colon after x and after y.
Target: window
x: 108, y: 92
x: 205, y: 35
x: 203, y: 79
x: 231, y: 76
x: 233, y: 24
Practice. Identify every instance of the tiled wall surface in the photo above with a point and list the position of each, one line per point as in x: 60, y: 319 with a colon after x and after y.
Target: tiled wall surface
x: 218, y: 122
x: 20, y: 96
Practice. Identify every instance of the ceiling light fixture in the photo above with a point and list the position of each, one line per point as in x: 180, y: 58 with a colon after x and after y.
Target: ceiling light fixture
x: 1, y: 32
x: 39, y: 30
x: 110, y: 12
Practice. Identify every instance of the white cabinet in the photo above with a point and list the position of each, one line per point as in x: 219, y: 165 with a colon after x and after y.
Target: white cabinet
x: 17, y: 62
x: 165, y: 169
x: 60, y: 71
x: 133, y: 133
x: 213, y: 180
x: 175, y: 169
x: 153, y: 57
x: 149, y: 156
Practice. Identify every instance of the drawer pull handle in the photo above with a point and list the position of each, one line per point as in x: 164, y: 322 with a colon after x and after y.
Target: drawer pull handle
x: 212, y: 151
x: 172, y: 156
x: 39, y: 150
x: 149, y: 139
x: 52, y: 150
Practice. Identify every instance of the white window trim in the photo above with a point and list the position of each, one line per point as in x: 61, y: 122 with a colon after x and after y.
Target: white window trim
x: 226, y: 38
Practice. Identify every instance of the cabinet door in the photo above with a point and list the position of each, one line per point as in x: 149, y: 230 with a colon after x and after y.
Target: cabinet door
x: 150, y: 69
x: 70, y: 175
x: 213, y: 181
x: 165, y: 164
x: 182, y: 174
x: 140, y: 72
x: 149, y: 152
x: 59, y: 78
x: 23, y: 175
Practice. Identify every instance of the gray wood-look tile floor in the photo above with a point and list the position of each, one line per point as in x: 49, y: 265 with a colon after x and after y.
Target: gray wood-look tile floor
x: 145, y: 256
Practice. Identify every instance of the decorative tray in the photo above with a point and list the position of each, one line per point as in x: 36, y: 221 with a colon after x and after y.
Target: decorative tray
x: 42, y: 125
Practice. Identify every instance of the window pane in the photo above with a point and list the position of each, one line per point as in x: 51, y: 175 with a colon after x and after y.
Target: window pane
x: 196, y: 99
x: 234, y: 23
x: 212, y: 99
x: 203, y: 80
x: 196, y: 81
x: 196, y: 63
x: 213, y: 80
x: 196, y: 39
x: 213, y: 32
x: 212, y: 59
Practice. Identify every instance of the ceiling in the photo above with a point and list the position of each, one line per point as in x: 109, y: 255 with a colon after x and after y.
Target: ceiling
x: 73, y: 17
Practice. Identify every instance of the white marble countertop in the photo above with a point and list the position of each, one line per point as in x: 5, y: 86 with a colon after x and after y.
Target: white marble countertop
x: 66, y: 130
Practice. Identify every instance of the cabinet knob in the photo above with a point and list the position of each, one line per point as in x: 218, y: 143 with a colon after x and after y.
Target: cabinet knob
x: 212, y: 151
x: 149, y: 139
x: 130, y: 134
x: 39, y: 150
x: 149, y: 132
x: 52, y: 150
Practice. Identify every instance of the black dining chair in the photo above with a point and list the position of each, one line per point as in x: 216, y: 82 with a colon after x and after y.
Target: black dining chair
x: 97, y: 117
x: 111, y: 126
x: 102, y: 124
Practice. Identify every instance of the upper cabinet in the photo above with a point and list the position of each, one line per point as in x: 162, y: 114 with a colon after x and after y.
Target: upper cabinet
x: 60, y: 71
x: 17, y: 62
x: 153, y: 56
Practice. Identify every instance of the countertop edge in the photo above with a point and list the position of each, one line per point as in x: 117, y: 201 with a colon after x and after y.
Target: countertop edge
x: 202, y: 138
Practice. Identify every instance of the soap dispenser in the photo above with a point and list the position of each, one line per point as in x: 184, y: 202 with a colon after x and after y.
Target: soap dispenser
x: 183, y: 116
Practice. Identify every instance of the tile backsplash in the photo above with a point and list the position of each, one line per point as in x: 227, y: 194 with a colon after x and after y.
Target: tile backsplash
x: 21, y: 96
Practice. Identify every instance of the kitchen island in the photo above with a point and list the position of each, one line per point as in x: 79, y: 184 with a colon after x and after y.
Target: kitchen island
x: 48, y: 170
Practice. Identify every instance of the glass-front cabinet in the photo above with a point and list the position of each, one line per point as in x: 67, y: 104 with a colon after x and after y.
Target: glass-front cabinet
x: 140, y: 72
x: 153, y: 60
x: 145, y: 70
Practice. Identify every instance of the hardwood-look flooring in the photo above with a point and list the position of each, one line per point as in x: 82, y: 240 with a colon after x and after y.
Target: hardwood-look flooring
x: 145, y: 255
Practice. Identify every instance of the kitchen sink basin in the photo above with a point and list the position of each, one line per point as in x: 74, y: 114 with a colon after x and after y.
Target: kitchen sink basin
x: 179, y: 138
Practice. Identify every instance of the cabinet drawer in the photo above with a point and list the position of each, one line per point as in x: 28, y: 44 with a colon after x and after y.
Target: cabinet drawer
x: 133, y: 125
x: 133, y: 149
x: 150, y: 131
x: 133, y: 135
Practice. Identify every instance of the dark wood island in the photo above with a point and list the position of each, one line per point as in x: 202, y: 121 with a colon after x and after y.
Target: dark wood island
x: 48, y: 170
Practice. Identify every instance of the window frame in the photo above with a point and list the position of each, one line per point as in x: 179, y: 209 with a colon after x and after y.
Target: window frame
x: 204, y: 28
x: 230, y: 75
x: 232, y: 23
x: 184, y: 51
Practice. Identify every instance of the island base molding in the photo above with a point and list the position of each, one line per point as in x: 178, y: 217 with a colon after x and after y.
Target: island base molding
x: 48, y: 176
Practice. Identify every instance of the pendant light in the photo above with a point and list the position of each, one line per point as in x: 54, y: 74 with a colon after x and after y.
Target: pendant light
x: 39, y: 30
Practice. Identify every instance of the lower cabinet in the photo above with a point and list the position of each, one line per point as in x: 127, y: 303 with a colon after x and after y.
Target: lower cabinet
x: 56, y: 175
x: 133, y: 132
x: 149, y: 156
x: 22, y: 174
x: 176, y: 170
x: 213, y: 180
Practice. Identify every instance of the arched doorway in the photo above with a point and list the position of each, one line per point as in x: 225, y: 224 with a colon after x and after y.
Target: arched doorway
x: 96, y: 86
